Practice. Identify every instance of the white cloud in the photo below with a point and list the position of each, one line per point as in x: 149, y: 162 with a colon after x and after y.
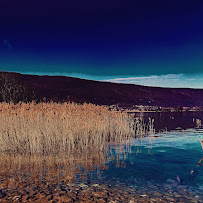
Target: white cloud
x: 169, y: 80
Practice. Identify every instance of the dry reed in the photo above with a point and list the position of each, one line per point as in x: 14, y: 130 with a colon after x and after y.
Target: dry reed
x: 46, y: 128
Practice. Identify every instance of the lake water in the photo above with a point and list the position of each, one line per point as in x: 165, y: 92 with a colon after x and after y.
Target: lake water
x: 166, y: 161
x: 173, y: 120
x: 156, y: 166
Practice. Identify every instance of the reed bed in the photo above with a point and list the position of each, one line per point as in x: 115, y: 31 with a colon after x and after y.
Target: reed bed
x: 65, y: 128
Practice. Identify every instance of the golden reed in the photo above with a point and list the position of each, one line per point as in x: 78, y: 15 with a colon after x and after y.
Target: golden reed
x: 55, y: 128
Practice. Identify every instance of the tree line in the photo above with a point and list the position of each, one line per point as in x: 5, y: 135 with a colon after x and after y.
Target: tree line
x: 14, y: 89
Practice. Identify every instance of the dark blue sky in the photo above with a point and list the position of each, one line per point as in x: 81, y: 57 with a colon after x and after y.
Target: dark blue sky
x: 102, y: 38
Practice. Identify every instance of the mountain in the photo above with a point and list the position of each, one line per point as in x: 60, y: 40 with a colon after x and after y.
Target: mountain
x: 61, y: 88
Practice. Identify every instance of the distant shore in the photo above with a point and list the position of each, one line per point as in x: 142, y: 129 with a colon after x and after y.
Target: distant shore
x: 153, y: 109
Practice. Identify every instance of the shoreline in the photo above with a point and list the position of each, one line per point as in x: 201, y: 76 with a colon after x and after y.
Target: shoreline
x: 98, y: 191
x: 149, y: 109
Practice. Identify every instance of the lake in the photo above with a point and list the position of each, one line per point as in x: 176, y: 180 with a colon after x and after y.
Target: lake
x: 161, y: 167
x: 172, y: 120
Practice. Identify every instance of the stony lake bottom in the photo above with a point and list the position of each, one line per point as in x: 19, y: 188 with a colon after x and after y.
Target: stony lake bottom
x: 151, y: 169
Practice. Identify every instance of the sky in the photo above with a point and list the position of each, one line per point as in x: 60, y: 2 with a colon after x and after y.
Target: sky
x: 153, y: 43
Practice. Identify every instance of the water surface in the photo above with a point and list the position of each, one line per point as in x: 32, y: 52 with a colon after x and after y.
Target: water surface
x: 172, y: 120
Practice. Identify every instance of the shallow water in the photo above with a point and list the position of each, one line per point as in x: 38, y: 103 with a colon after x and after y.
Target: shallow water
x: 161, y: 159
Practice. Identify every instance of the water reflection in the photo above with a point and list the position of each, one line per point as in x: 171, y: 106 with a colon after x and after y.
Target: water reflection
x: 37, y: 169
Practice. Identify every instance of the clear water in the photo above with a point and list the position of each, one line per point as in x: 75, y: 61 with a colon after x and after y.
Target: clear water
x: 160, y: 163
x: 170, y: 155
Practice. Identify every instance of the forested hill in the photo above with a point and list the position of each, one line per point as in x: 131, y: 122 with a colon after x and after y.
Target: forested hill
x: 20, y: 87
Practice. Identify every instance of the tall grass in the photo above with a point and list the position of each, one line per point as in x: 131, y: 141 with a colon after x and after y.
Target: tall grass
x: 65, y: 128
x: 61, y: 128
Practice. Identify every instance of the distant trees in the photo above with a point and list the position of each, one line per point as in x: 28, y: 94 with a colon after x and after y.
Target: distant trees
x: 13, y: 89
